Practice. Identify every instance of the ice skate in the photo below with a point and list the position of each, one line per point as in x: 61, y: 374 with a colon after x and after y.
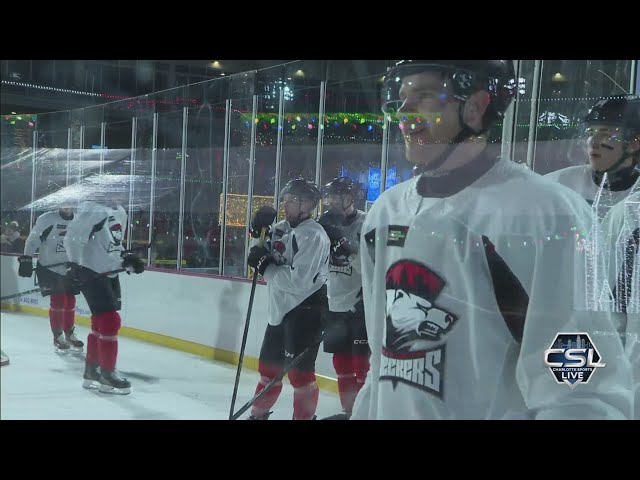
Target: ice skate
x: 75, y: 344
x: 339, y: 416
x: 91, y: 376
x: 111, y: 382
x: 264, y: 416
x: 60, y: 344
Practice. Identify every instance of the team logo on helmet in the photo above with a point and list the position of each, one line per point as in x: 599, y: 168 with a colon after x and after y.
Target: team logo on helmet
x: 464, y: 79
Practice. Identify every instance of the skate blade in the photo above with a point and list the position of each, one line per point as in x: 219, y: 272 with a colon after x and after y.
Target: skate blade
x: 114, y: 391
x: 76, y: 350
x: 91, y: 384
x: 60, y: 351
x: 339, y: 416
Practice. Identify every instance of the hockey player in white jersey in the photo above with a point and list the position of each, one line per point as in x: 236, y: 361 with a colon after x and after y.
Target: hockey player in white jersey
x: 46, y: 237
x: 621, y: 228
x: 346, y: 339
x: 94, y: 246
x: 611, y: 130
x: 294, y: 263
x: 472, y: 268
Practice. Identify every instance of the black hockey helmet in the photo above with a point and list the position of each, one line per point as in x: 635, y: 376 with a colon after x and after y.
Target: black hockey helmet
x: 303, y: 189
x: 338, y: 186
x: 623, y: 112
x: 465, y: 77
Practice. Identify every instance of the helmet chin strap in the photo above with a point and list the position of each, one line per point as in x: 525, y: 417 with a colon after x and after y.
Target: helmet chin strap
x: 436, y: 163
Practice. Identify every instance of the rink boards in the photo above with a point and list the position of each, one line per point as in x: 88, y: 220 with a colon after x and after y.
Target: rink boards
x: 199, y: 314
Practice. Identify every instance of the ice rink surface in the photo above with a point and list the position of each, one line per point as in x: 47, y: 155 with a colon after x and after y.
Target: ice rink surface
x: 167, y: 384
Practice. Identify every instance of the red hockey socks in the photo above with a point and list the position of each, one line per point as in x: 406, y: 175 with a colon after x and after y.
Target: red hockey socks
x: 305, y: 394
x: 262, y: 406
x: 56, y: 311
x: 108, y: 326
x: 347, y: 386
x: 69, y: 314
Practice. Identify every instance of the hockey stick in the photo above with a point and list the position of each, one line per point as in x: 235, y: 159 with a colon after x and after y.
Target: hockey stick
x: 281, y: 375
x: 246, y: 329
x: 35, y: 290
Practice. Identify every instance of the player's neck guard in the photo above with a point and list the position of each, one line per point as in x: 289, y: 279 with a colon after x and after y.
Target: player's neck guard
x: 457, y: 179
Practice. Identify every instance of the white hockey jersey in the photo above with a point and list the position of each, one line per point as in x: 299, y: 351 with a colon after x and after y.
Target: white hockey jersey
x: 94, y: 237
x: 345, y: 273
x: 463, y: 294
x: 618, y: 240
x: 621, y: 227
x: 47, y: 237
x: 300, y: 268
x: 580, y: 180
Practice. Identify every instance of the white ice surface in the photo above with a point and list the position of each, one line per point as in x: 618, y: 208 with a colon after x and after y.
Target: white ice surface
x: 166, y: 384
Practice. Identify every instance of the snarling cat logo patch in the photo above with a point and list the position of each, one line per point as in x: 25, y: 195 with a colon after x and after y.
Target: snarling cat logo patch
x: 416, y: 326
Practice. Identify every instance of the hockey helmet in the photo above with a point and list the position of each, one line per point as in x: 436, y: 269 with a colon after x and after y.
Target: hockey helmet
x: 302, y: 188
x: 466, y: 77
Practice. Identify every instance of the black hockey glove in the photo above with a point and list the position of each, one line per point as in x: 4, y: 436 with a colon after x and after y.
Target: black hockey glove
x: 331, y: 222
x: 332, y: 217
x: 73, y: 278
x: 26, y: 266
x: 259, y: 259
x: 334, y: 233
x: 341, y: 248
x: 340, y: 251
x: 262, y: 219
x: 131, y: 263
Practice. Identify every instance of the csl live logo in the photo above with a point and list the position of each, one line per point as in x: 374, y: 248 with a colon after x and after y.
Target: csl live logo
x: 572, y: 358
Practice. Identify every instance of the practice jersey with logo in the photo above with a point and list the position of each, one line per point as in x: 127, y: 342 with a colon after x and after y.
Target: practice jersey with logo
x: 300, y: 267
x: 463, y: 294
x: 94, y: 237
x: 344, y: 287
x: 47, y: 237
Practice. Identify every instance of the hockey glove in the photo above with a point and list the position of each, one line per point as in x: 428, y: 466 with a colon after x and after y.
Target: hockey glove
x: 341, y: 248
x: 332, y: 217
x: 334, y: 233
x: 26, y: 266
x: 331, y: 222
x: 73, y: 278
x: 131, y: 263
x: 262, y: 219
x: 259, y: 259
